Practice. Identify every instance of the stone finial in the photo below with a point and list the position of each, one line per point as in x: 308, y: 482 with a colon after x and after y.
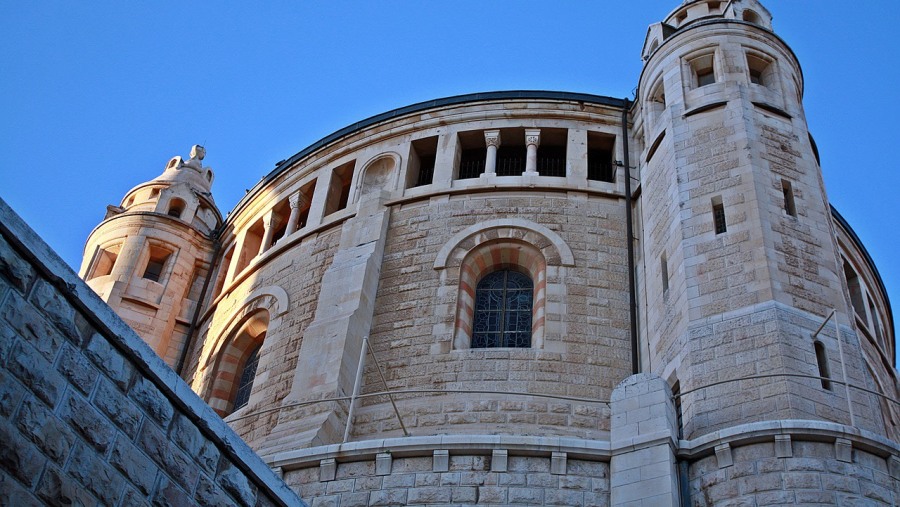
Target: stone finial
x: 198, y: 153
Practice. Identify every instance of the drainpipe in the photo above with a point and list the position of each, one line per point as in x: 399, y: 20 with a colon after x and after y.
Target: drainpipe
x: 182, y: 357
x: 629, y: 233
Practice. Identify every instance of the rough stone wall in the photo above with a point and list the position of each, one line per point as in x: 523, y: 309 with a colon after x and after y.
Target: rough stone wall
x: 89, y: 414
x: 587, y: 361
x: 468, y: 480
x: 811, y: 475
x: 299, y: 272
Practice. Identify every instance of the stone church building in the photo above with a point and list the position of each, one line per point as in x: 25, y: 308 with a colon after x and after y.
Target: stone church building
x: 536, y: 298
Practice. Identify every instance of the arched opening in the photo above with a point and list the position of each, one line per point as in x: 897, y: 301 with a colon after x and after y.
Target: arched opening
x: 750, y: 16
x: 502, y: 288
x: 236, y: 364
x: 503, y: 310
x: 176, y: 207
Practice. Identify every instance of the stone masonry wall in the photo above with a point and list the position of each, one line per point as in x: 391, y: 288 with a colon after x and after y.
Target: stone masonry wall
x: 467, y: 480
x: 587, y: 360
x: 90, y: 415
x: 804, y: 473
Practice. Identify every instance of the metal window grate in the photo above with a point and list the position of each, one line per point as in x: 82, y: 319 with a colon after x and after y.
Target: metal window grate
x: 719, y: 218
x: 503, y: 308
x: 246, y: 383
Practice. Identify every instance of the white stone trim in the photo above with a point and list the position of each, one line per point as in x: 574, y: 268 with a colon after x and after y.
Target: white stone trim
x: 565, y: 253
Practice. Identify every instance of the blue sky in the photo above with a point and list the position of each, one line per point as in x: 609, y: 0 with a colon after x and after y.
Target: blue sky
x: 95, y: 97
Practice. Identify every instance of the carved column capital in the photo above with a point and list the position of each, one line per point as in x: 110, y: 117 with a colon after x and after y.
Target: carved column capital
x: 492, y: 138
x: 297, y: 200
x: 533, y: 137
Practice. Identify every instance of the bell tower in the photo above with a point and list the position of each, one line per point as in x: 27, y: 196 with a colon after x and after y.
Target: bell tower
x: 739, y: 258
x: 150, y: 256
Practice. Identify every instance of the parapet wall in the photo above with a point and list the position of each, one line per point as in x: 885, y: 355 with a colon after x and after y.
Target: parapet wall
x: 90, y: 415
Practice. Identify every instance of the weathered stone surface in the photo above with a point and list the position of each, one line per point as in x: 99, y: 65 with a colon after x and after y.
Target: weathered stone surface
x: 188, y: 437
x: 12, y: 493
x: 236, y: 484
x: 77, y: 369
x: 136, y: 466
x: 92, y: 425
x: 122, y: 411
x: 52, y: 436
x: 52, y: 304
x: 19, y: 457
x: 59, y: 489
x: 174, y: 462
x: 95, y: 475
x: 11, y: 394
x: 109, y: 361
x: 169, y: 494
x: 152, y: 401
x: 210, y: 494
x: 19, y: 273
x: 33, y: 327
x: 36, y: 373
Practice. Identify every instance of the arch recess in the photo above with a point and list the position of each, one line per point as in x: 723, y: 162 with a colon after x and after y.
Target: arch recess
x: 381, y: 172
x: 272, y: 298
x: 554, y: 249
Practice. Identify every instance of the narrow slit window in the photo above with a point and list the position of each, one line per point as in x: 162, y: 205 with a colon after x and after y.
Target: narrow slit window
x: 822, y: 361
x: 788, y: 191
x: 718, y: 210
x: 676, y: 396
x: 664, y: 273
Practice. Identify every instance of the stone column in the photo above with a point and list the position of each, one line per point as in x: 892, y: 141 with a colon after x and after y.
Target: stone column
x: 532, y: 141
x: 643, y: 440
x: 296, y: 201
x: 492, y: 140
x: 270, y: 223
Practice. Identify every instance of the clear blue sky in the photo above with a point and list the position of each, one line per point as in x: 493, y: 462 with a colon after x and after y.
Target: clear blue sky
x: 95, y: 97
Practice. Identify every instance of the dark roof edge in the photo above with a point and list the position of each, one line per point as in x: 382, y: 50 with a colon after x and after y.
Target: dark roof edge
x: 423, y: 106
x: 862, y: 248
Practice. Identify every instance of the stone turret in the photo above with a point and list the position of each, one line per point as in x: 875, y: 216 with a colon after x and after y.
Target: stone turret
x: 740, y: 255
x: 150, y: 256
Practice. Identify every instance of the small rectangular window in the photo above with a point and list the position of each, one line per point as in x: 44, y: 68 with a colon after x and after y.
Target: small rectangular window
x: 855, y: 287
x: 703, y: 69
x: 104, y: 260
x: 472, y: 154
x: 718, y: 210
x: 339, y: 187
x: 551, y: 154
x: 760, y: 69
x: 788, y: 192
x: 423, y: 154
x: 156, y: 264
x: 600, y: 157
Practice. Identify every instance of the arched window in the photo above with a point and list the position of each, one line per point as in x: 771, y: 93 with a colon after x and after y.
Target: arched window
x: 176, y: 207
x: 236, y: 362
x: 503, y: 304
x: 245, y: 384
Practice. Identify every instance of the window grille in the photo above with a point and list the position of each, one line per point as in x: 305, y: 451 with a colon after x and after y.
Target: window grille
x: 719, y: 218
x: 503, y: 304
x: 242, y: 396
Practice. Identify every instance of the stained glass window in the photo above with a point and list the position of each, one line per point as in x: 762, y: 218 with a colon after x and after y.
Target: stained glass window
x: 503, y: 301
x: 246, y: 382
